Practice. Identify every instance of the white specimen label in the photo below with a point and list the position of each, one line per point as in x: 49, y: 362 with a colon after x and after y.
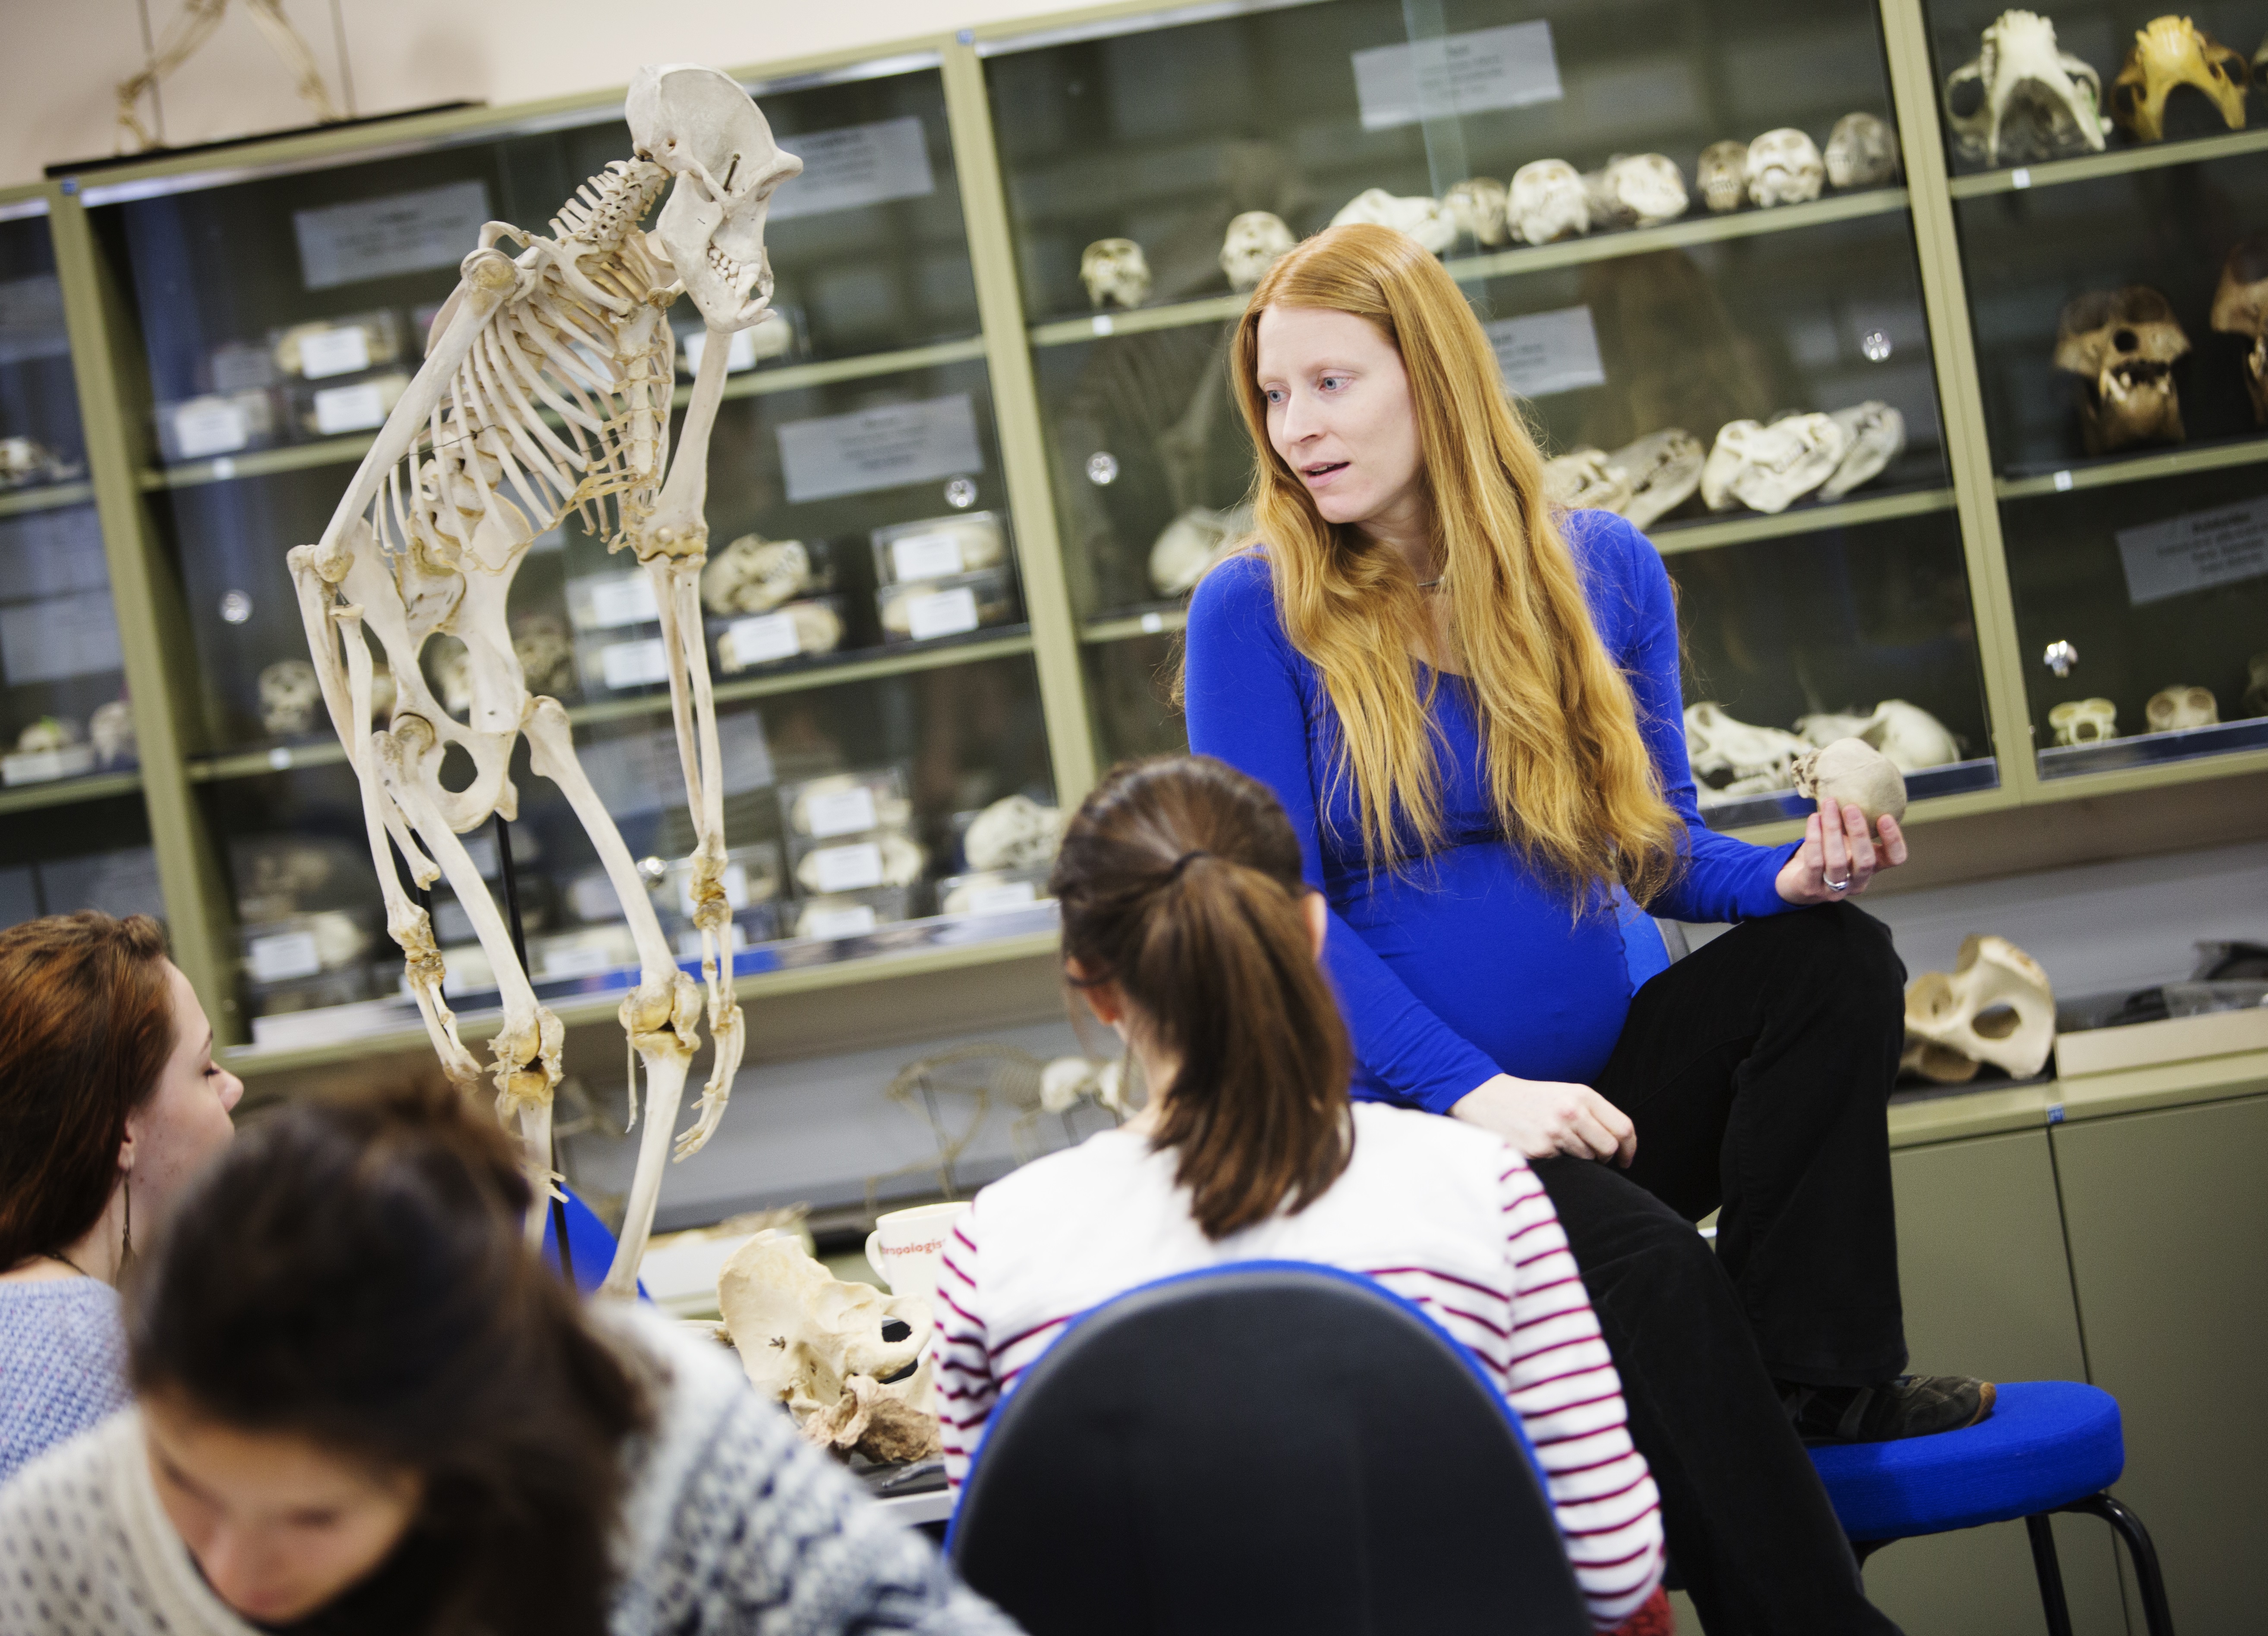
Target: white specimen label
x: 763, y: 639
x: 60, y: 636
x: 611, y: 600
x: 283, y: 955
x: 340, y: 351
x: 2196, y: 552
x: 990, y: 900
x: 204, y: 426
x: 854, y: 166
x: 852, y: 920
x: 1541, y: 353
x: 402, y: 232
x: 851, y: 868
x: 925, y: 555
x: 350, y: 409
x: 578, y: 960
x: 941, y: 612
x: 1510, y: 67
x: 635, y: 664
x: 886, y: 447
x: 840, y: 812
x: 72, y: 760
x: 47, y: 553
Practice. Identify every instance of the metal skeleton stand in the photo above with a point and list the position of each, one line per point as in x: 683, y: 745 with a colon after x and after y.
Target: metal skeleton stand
x: 511, y: 878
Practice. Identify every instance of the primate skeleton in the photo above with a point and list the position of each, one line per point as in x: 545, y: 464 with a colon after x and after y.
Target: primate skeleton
x: 546, y: 390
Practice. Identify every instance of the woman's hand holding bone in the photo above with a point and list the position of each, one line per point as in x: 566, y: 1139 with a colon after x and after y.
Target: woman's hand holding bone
x: 1838, y: 858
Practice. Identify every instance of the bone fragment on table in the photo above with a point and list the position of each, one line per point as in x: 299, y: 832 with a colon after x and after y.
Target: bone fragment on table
x: 1862, y: 151
x: 1722, y: 176
x: 2021, y: 99
x: 1254, y: 242
x: 1427, y: 220
x: 2240, y: 307
x: 2175, y: 709
x: 2169, y: 52
x: 1116, y: 273
x: 1547, y: 201
x: 1995, y: 1006
x: 2123, y: 345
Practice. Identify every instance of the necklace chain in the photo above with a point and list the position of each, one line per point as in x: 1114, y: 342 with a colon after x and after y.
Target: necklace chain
x: 56, y: 1255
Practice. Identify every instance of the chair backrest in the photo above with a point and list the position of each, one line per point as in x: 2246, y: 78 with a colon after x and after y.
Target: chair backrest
x: 1267, y: 1445
x: 590, y: 1246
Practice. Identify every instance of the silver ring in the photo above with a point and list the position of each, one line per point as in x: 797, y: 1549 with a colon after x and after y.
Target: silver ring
x: 1843, y: 885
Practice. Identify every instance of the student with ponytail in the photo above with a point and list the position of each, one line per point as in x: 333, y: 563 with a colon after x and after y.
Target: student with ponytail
x: 1187, y: 927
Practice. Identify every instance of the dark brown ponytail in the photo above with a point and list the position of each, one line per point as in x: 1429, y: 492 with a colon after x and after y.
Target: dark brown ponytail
x: 1180, y: 882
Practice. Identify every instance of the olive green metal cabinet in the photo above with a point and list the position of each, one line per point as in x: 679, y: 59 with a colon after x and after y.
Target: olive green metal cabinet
x: 73, y: 833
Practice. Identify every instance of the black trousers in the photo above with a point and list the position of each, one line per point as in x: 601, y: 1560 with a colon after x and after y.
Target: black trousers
x: 1758, y: 1070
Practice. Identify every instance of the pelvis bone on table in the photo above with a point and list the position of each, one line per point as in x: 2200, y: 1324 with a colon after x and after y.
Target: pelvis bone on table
x: 546, y: 390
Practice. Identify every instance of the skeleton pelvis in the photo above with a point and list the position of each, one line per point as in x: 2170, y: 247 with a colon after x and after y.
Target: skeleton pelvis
x: 423, y: 745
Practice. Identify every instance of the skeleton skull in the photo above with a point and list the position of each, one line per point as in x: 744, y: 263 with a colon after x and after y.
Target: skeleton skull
x: 2021, y: 99
x: 701, y: 126
x: 1878, y: 436
x: 1477, y: 206
x: 1722, y: 176
x: 1995, y: 1006
x: 1731, y: 759
x: 547, y: 658
x: 2240, y: 307
x: 2172, y: 51
x: 754, y: 575
x: 1784, y: 168
x: 1862, y: 151
x: 1548, y: 202
x: 1114, y: 270
x: 1015, y: 832
x: 1638, y: 190
x: 1586, y: 479
x: 802, y: 1333
x: 1665, y: 470
x: 1188, y: 545
x: 2083, y: 721
x: 111, y: 727
x: 1256, y: 240
x: 2170, y: 710
x: 49, y: 733
x: 1427, y: 220
x: 289, y: 695
x: 1768, y: 468
x: 2124, y: 344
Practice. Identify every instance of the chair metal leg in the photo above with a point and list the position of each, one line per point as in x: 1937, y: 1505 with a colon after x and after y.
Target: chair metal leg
x: 2157, y: 1617
x: 2051, y: 1572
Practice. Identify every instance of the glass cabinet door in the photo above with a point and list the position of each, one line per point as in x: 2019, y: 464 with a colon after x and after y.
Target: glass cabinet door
x: 2118, y: 292
x: 1740, y: 293
x: 864, y: 614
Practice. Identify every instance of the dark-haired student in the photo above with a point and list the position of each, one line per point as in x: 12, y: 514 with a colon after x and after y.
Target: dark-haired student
x: 1189, y: 928
x: 366, y: 1409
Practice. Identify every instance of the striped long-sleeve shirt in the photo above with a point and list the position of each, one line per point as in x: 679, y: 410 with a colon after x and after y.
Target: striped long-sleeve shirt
x: 1439, y: 1211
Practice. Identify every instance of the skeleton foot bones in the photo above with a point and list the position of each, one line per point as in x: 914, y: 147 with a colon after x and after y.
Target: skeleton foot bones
x: 546, y: 389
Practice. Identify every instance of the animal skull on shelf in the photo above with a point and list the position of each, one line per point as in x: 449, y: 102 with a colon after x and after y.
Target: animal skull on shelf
x: 2031, y: 101
x: 754, y: 575
x: 1665, y: 470
x: 1114, y: 270
x: 1477, y: 204
x: 546, y: 389
x: 1722, y: 176
x: 1636, y: 190
x: 2083, y: 721
x: 289, y: 695
x: 1768, y: 468
x: 1015, y: 832
x: 1256, y: 241
x: 1995, y: 1006
x: 2172, y: 51
x: 2173, y: 709
x: 2240, y: 307
x: 1427, y: 220
x: 1548, y: 202
x: 1187, y: 546
x: 2123, y: 345
x: 111, y: 730
x: 1862, y: 151
x: 1784, y: 168
x: 546, y: 656
x: 1878, y: 436
x: 49, y: 733
x: 23, y: 461
x: 1908, y: 734
x: 1731, y: 759
x: 818, y: 630
x: 1585, y: 479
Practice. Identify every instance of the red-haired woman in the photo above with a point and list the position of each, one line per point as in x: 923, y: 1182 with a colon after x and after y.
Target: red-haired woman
x: 109, y: 1101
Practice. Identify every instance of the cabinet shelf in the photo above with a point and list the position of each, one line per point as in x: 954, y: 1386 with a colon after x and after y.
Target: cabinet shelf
x: 1533, y: 258
x: 45, y: 498
x: 2123, y: 162
x: 2136, y: 468
x: 69, y: 792
x: 1701, y: 536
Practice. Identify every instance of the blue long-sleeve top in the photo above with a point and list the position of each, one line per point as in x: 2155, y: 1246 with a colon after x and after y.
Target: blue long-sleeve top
x: 1466, y: 964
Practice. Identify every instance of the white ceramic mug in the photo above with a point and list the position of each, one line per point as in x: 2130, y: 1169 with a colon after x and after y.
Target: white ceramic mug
x: 907, y: 1247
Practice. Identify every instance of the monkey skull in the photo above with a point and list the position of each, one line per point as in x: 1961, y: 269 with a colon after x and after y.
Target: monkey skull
x: 2170, y: 52
x: 1477, y: 206
x: 1862, y: 151
x: 1784, y: 168
x: 2083, y: 721
x: 701, y: 126
x: 1114, y: 270
x: 2170, y: 710
x: 2240, y: 307
x: 2123, y: 343
x: 1722, y: 176
x: 1256, y: 240
x: 1548, y: 202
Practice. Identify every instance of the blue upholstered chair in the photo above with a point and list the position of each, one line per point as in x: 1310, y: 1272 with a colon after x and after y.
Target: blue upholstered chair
x: 590, y: 1246
x: 2047, y: 1446
x: 1263, y: 1445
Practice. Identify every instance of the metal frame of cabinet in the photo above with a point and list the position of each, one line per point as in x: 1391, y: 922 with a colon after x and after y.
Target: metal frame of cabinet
x: 149, y: 599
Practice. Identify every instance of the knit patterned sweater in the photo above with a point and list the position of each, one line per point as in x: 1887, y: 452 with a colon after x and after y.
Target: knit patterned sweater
x: 63, y: 1364
x: 733, y: 1524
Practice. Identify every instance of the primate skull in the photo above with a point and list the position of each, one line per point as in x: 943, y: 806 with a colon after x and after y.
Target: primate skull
x: 1783, y: 168
x: 547, y: 658
x: 1015, y: 832
x: 2173, y: 709
x: 1586, y: 479
x: 2172, y: 51
x: 289, y: 695
x: 1731, y: 759
x: 701, y: 127
x: 754, y: 575
x: 1548, y: 202
x: 2240, y: 307
x: 49, y: 733
x: 1722, y: 176
x: 1665, y: 470
x: 2083, y: 721
x: 1256, y: 240
x: 1862, y: 151
x: 1186, y: 547
x: 1114, y: 270
x: 1636, y: 190
x: 1478, y: 205
x: 1768, y: 468
x: 1427, y: 220
x: 1878, y: 436
x: 2123, y: 343
x: 2021, y: 99
x: 1995, y: 1006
